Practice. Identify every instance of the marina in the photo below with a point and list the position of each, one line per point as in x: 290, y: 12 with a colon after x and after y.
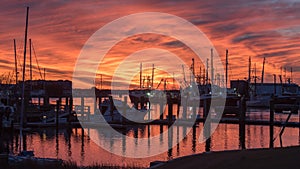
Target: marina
x: 71, y: 144
x: 67, y: 134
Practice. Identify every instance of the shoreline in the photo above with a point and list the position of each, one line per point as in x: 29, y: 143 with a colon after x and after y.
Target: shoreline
x: 276, y: 158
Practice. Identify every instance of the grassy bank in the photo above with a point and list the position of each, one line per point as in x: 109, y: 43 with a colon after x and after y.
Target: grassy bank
x: 29, y: 164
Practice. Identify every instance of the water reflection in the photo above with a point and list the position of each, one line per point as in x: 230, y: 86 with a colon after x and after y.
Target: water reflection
x: 75, y: 144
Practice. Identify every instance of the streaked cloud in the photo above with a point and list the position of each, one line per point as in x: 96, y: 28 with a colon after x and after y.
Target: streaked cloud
x: 60, y: 28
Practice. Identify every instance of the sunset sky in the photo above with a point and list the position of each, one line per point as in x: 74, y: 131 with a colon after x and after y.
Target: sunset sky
x: 60, y: 28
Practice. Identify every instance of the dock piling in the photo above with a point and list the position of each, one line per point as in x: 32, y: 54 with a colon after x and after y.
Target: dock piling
x: 57, y: 112
x: 207, y: 118
x: 161, y: 110
x: 124, y: 110
x: 170, y: 111
x: 242, y: 127
x: 272, y: 123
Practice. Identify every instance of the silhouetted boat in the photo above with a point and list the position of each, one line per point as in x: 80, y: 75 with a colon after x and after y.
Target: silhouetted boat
x: 118, y: 111
x: 7, y: 115
x: 284, y: 104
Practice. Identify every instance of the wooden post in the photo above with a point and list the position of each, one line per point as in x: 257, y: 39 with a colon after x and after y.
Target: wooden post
x: 135, y: 103
x: 194, y: 107
x: 208, y: 121
x: 184, y: 107
x: 149, y: 112
x: 271, y: 122
x: 60, y: 102
x: 124, y: 109
x: 46, y: 101
x: 39, y: 101
x: 82, y: 107
x: 67, y: 105
x: 71, y: 107
x: 242, y: 124
x: 57, y: 111
x: 142, y: 102
x: 88, y: 113
x: 1, y: 141
x: 170, y: 111
x: 194, y: 140
x: 178, y: 109
x: 111, y: 107
x: 161, y: 110
x: 82, y: 142
x: 99, y: 103
x: 170, y: 140
x: 95, y: 104
x: 24, y: 141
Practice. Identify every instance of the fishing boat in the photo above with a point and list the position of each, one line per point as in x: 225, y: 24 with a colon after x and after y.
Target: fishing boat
x: 259, y: 101
x: 114, y: 111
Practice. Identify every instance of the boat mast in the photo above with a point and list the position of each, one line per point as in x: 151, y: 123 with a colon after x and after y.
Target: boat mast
x: 263, y: 71
x: 291, y: 80
x: 200, y: 75
x: 184, y: 79
x: 212, y: 66
x: 255, y: 77
x: 207, y: 71
x: 193, y: 70
x: 141, y: 69
x: 249, y: 70
x: 23, y: 79
x: 16, y: 64
x: 284, y: 74
x: 45, y: 75
x: 226, y: 73
x: 30, y: 58
x: 152, y: 79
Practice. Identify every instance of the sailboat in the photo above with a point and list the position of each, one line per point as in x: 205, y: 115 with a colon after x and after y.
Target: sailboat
x: 24, y: 152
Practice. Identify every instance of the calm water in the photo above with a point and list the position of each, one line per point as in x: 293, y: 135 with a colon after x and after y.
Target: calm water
x: 74, y: 143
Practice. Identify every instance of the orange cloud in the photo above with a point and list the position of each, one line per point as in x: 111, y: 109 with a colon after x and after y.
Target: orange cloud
x: 247, y: 28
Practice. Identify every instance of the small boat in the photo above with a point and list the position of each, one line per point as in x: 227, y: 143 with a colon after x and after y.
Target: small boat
x: 28, y: 156
x: 228, y: 106
x: 286, y: 104
x: 7, y: 115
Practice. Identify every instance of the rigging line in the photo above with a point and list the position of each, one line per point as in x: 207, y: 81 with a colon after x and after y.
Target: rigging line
x: 37, y: 61
x: 18, y: 57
